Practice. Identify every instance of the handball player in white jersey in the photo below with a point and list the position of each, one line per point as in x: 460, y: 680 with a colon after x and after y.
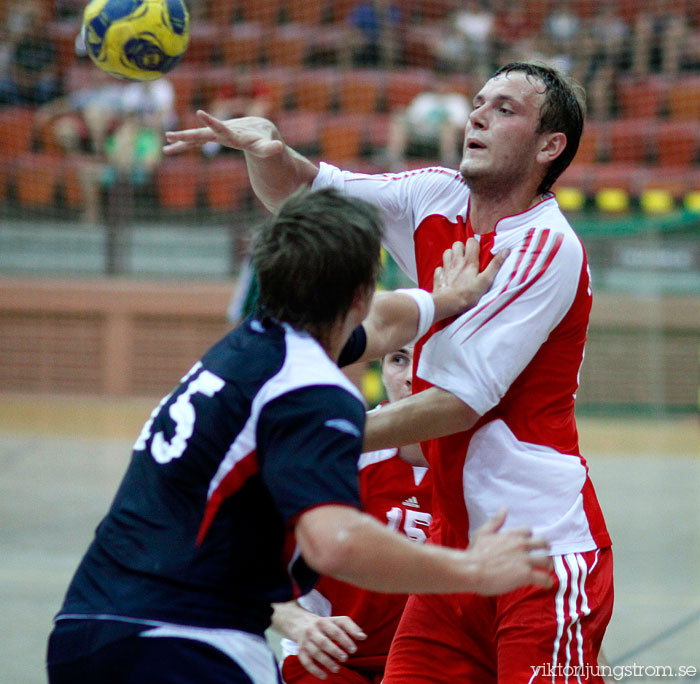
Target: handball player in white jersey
x: 495, y: 387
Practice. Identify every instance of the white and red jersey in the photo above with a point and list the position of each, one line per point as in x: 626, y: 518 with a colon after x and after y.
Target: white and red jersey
x: 398, y: 495
x: 514, y: 359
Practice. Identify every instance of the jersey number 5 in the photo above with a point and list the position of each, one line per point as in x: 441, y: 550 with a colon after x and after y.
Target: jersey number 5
x: 183, y: 415
x: 412, y: 521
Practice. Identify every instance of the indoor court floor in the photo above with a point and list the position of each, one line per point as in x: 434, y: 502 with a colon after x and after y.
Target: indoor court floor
x: 61, y: 460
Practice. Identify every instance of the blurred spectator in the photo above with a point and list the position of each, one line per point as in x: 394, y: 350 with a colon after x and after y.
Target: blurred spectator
x: 30, y: 73
x: 117, y: 128
x: 375, y: 34
x: 467, y: 42
x: 81, y: 120
x: 562, y: 28
x: 659, y: 36
x: 432, y: 124
x: 514, y: 32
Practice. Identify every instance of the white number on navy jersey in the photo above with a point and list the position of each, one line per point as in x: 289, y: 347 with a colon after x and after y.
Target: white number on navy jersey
x: 182, y: 413
x: 414, y: 522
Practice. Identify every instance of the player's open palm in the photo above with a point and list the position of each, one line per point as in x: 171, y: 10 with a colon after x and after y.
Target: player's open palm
x: 459, y: 274
x: 252, y: 134
x: 324, y: 642
x: 509, y: 559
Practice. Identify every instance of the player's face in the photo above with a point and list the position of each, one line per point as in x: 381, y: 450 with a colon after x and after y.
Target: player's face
x: 397, y: 373
x: 501, y: 138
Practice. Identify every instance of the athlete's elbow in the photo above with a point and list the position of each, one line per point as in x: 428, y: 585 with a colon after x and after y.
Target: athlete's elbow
x: 329, y: 542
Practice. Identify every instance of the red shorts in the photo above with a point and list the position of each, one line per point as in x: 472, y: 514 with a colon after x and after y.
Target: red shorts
x: 528, y: 635
x: 293, y: 672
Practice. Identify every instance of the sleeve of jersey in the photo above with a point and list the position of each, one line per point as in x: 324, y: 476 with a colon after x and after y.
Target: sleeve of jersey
x: 481, y: 353
x: 309, y: 442
x: 402, y: 197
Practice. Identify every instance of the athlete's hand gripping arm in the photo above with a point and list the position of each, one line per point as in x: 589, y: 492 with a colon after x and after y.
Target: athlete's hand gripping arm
x: 275, y: 169
x: 345, y: 543
x: 323, y: 642
x: 394, y: 318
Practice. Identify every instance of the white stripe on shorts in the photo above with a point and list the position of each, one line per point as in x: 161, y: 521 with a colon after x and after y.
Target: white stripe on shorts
x: 250, y: 651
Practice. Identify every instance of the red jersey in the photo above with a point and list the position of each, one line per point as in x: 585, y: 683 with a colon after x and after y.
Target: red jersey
x: 398, y: 495
x: 514, y: 359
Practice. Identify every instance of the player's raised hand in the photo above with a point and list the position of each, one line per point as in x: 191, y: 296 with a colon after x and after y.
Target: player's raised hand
x: 457, y: 284
x: 324, y: 642
x: 252, y: 134
x: 509, y: 559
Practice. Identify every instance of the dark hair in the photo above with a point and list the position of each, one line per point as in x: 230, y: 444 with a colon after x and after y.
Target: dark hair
x: 315, y: 256
x: 564, y: 110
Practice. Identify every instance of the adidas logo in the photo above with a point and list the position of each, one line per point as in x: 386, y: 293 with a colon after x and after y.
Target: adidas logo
x: 412, y: 502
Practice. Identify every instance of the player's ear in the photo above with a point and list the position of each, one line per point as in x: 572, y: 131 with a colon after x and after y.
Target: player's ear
x: 551, y: 146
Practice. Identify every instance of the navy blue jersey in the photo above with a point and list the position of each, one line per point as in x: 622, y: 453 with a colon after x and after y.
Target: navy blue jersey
x: 200, y: 532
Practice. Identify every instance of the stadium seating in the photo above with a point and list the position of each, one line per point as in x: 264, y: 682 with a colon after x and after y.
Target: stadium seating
x: 36, y: 179
x: 178, y: 182
x: 16, y: 130
x: 225, y: 182
x: 342, y: 136
x: 361, y: 90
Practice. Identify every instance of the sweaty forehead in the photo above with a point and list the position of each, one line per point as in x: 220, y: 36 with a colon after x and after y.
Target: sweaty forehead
x: 517, y: 86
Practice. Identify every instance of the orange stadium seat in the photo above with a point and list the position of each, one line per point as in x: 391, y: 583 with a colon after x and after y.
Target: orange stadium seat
x: 186, y: 83
x: 377, y: 130
x: 225, y: 182
x: 418, y: 45
x: 274, y: 84
x: 675, y: 181
x: 684, y: 98
x: 205, y: 41
x: 221, y: 11
x: 342, y: 136
x: 627, y: 140
x: 262, y: 11
x: 589, y: 145
x: 300, y: 129
x: 341, y: 9
x: 177, y: 182
x: 6, y: 167
x: 403, y: 86
x: 315, y: 89
x: 306, y: 11
x: 616, y: 176
x: 36, y: 179
x: 16, y: 130
x: 242, y: 44
x: 435, y: 9
x: 361, y: 90
x: 63, y: 34
x: 641, y: 97
x: 578, y: 175
x: 288, y: 45
x: 676, y: 143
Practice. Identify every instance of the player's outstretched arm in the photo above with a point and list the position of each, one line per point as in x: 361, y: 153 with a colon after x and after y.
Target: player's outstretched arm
x: 396, y: 318
x: 274, y: 168
x: 344, y: 543
x: 323, y: 642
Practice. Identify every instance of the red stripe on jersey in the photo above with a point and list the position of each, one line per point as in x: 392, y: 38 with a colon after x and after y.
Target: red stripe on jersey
x: 240, y: 473
x: 514, y: 272
x: 543, y: 268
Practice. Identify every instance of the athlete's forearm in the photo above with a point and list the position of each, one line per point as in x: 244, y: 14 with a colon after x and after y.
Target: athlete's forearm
x: 425, y: 415
x: 354, y: 547
x: 275, y: 178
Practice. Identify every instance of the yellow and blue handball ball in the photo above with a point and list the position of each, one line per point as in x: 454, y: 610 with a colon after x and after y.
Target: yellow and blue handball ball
x: 139, y: 40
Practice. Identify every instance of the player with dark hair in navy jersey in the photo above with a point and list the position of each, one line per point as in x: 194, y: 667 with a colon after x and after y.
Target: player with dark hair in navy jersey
x: 242, y: 485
